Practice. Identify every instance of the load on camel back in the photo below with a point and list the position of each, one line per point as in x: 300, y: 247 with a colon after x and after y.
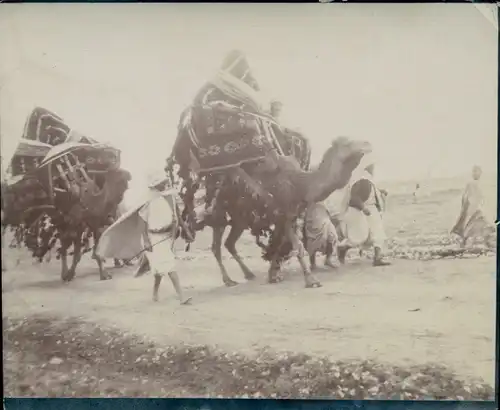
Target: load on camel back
x: 254, y: 172
x: 63, y: 189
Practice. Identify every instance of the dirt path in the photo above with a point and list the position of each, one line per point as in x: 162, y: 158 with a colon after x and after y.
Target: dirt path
x: 412, y: 312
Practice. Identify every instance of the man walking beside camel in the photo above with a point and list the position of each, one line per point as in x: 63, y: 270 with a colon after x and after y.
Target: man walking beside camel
x: 149, y: 227
x: 362, y: 224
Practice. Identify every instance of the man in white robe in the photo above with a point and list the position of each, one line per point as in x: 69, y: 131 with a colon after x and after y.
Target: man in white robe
x: 150, y: 226
x: 362, y: 225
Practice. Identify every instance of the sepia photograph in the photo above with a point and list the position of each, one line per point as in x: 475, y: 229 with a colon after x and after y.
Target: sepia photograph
x: 274, y: 201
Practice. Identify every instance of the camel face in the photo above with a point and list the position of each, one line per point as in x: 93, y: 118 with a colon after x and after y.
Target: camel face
x: 350, y: 151
x: 120, y: 181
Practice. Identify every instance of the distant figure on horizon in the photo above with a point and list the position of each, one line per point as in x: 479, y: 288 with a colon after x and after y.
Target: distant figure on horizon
x: 472, y: 222
x: 416, y: 193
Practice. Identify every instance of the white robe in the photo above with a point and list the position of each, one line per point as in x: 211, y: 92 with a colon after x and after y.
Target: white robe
x: 157, y: 214
x: 360, y: 229
x: 124, y: 239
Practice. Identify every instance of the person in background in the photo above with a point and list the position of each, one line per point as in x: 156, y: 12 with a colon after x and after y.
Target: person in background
x: 363, y: 222
x: 416, y: 193
x: 472, y: 222
x: 151, y: 226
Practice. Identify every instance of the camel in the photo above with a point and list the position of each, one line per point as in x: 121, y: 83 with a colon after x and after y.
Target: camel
x: 293, y: 190
x: 273, y: 192
x: 78, y: 210
x: 93, y: 212
x: 229, y: 201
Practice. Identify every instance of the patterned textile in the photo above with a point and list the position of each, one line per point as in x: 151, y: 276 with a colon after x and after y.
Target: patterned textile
x: 68, y: 166
x: 224, y: 137
x: 28, y: 155
x: 27, y: 193
x: 226, y: 126
x: 47, y: 127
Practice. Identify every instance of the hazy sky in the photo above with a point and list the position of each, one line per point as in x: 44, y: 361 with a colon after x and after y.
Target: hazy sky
x: 418, y: 80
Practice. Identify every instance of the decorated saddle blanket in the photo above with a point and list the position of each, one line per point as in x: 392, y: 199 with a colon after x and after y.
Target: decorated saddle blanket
x: 22, y: 196
x: 226, y: 126
x: 219, y: 132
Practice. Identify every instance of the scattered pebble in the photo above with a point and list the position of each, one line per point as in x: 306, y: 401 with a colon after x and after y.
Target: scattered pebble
x: 56, y: 360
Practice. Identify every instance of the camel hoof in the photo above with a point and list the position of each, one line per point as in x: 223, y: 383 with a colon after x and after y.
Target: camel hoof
x: 313, y: 285
x: 250, y: 276
x: 155, y: 298
x: 106, y: 276
x: 187, y: 301
x: 276, y: 279
x: 230, y: 283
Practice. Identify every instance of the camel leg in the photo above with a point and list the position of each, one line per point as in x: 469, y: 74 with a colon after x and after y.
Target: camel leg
x: 103, y: 274
x: 274, y: 275
x: 330, y: 246
x: 77, y: 256
x: 312, y: 259
x: 310, y: 279
x: 274, y: 272
x: 218, y: 232
x: 230, y: 244
x: 64, y: 263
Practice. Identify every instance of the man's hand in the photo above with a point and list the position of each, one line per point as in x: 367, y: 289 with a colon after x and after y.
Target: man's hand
x: 366, y: 211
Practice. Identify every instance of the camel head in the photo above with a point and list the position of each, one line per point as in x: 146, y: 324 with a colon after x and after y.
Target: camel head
x: 116, y: 182
x: 350, y: 151
x: 339, y: 162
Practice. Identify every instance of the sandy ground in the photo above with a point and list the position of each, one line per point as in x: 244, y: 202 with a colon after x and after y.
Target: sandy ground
x: 411, y: 312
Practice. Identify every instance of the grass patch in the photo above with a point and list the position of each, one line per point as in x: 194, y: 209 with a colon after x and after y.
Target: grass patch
x: 49, y: 357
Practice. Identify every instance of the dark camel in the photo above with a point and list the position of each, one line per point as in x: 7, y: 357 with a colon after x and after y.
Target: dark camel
x: 274, y: 192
